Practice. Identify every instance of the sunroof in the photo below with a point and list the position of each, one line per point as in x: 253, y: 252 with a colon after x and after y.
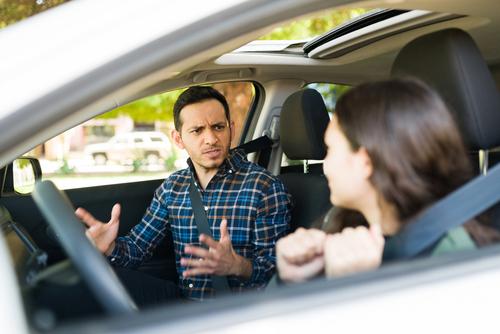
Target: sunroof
x: 357, y: 23
x: 314, y: 25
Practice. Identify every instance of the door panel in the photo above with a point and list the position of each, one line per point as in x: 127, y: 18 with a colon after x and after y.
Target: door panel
x: 134, y: 199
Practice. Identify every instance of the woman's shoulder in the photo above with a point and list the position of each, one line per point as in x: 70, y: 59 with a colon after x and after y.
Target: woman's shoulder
x: 456, y: 239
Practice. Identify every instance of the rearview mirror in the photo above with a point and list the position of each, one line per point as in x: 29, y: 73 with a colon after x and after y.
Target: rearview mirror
x: 26, y: 171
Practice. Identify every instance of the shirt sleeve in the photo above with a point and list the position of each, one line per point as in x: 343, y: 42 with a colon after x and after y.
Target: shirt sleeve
x: 272, y: 223
x: 136, y: 247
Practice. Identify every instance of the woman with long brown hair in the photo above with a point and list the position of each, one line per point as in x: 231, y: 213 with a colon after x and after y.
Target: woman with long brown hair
x: 393, y: 149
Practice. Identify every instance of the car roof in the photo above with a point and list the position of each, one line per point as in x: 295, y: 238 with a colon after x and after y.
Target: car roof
x: 38, y: 55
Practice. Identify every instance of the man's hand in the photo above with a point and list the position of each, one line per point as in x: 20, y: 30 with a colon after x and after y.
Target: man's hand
x: 300, y: 255
x: 353, y: 250
x: 219, y: 259
x: 102, y: 234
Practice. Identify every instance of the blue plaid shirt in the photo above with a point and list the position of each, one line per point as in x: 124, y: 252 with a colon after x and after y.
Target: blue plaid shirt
x: 254, y: 202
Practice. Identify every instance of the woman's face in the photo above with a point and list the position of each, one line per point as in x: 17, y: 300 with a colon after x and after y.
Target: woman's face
x: 347, y: 171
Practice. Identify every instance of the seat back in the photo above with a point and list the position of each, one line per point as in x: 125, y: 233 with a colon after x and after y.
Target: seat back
x: 451, y: 63
x: 303, y: 122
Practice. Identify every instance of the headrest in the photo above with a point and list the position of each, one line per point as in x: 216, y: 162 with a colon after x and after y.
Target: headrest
x: 303, y: 122
x: 450, y: 62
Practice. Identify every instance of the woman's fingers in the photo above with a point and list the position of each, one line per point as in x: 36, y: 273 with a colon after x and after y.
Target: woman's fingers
x: 352, y: 251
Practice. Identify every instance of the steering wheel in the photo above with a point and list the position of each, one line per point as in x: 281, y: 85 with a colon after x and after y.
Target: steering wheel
x: 93, y: 267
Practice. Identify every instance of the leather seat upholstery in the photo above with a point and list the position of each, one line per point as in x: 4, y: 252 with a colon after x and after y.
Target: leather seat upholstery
x: 450, y: 62
x: 303, y: 122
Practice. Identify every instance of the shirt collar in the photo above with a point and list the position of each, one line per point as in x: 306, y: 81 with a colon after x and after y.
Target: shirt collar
x: 230, y: 165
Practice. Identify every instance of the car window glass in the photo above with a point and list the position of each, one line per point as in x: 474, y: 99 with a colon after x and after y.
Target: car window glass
x: 130, y: 143
x: 330, y: 93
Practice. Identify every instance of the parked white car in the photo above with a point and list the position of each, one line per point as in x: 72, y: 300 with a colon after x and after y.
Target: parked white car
x: 125, y: 148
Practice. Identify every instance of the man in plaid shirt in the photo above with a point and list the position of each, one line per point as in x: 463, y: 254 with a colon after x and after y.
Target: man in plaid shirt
x: 247, y: 208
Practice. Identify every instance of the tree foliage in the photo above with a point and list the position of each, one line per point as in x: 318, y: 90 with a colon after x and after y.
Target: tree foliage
x: 12, y: 11
x: 149, y: 109
x: 307, y: 28
x: 311, y: 27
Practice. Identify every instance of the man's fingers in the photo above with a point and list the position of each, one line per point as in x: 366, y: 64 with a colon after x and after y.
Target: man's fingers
x: 86, y: 217
x: 197, y: 272
x: 207, y: 240
x: 223, y: 229
x: 115, y: 213
x: 197, y: 251
x: 196, y: 263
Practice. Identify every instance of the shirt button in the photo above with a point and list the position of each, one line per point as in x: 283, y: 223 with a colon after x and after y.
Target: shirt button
x: 113, y: 259
x: 230, y: 171
x: 190, y: 285
x: 206, y: 208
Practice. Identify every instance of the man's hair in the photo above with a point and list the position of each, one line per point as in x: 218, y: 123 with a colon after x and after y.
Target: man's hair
x: 197, y: 94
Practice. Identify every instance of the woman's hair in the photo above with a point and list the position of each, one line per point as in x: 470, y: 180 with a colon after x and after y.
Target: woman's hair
x: 413, y: 142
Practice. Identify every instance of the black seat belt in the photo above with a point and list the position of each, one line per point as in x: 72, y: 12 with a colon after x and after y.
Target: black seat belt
x: 452, y: 211
x: 256, y: 144
x: 200, y: 217
x: 263, y: 145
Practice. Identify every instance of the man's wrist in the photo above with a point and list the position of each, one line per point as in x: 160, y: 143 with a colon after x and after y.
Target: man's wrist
x: 110, y: 249
x: 243, y: 267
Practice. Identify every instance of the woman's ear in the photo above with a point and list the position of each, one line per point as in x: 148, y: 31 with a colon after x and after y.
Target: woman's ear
x: 176, y: 137
x: 365, y: 162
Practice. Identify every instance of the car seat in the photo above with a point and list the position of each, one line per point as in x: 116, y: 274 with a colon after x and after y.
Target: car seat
x: 303, y: 122
x: 451, y: 63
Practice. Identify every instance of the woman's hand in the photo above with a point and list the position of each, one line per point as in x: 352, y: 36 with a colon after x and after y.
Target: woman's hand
x: 300, y: 255
x: 353, y: 250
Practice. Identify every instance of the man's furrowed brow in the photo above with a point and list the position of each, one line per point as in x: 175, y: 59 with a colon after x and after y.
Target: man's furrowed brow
x: 196, y: 127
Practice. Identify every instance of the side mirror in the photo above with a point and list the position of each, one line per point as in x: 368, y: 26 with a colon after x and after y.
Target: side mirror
x: 25, y: 171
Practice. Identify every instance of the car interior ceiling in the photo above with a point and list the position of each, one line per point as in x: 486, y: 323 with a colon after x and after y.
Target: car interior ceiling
x: 448, y: 60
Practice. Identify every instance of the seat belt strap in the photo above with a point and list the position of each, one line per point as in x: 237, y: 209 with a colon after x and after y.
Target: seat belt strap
x: 457, y: 208
x: 219, y: 283
x: 263, y: 145
x: 257, y: 144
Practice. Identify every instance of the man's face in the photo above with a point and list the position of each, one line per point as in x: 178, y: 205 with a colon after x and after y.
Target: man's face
x: 205, y: 134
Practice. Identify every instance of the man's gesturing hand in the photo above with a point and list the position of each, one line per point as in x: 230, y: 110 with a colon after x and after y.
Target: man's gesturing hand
x: 102, y: 234
x: 219, y: 259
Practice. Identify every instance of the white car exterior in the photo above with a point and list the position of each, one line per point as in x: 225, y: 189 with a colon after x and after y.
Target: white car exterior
x: 150, y: 146
x: 85, y: 57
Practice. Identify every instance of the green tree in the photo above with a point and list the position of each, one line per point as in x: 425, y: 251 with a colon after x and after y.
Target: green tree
x: 12, y: 11
x: 313, y: 26
x: 148, y: 109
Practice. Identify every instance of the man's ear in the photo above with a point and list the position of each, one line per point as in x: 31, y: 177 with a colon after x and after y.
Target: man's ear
x: 231, y: 128
x: 176, y: 137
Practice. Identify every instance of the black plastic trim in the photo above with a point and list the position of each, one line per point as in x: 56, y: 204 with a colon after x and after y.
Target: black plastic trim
x: 353, y: 25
